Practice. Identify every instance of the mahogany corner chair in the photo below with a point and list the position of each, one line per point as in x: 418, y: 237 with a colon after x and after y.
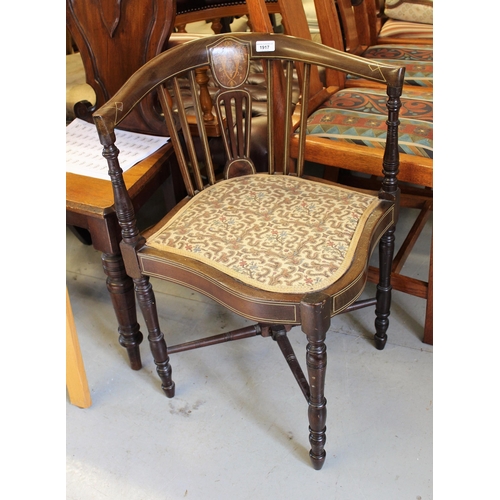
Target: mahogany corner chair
x: 279, y: 248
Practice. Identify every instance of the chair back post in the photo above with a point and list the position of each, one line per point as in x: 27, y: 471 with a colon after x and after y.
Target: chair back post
x: 352, y: 42
x: 390, y: 189
x: 372, y: 18
x: 361, y: 13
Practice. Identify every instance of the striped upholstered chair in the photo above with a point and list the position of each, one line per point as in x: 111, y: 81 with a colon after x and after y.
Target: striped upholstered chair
x: 400, y: 21
x: 416, y: 58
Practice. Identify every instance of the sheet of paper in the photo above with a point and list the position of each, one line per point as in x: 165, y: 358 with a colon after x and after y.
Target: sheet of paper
x: 84, y: 151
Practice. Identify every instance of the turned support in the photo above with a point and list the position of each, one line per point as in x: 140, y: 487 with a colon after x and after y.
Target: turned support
x: 384, y: 288
x: 389, y: 191
x: 202, y: 80
x: 315, y: 315
x: 147, y: 303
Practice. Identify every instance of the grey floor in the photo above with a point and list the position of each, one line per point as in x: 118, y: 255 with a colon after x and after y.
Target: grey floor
x: 237, y: 427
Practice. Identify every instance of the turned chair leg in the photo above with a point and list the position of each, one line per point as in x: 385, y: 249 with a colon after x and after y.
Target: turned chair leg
x: 384, y: 288
x: 121, y: 290
x: 315, y: 316
x: 147, y: 303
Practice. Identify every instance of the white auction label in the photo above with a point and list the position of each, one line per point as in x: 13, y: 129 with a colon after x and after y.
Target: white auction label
x: 267, y: 46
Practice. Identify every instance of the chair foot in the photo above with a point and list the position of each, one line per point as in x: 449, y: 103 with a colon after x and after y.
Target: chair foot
x: 163, y: 368
x: 380, y: 341
x: 169, y: 391
x: 317, y: 462
x: 317, y: 440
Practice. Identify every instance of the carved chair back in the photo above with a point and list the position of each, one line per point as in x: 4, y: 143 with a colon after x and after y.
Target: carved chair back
x: 229, y: 59
x: 115, y: 39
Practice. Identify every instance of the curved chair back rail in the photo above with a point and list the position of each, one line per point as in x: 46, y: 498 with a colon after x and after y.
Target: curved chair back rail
x: 194, y: 55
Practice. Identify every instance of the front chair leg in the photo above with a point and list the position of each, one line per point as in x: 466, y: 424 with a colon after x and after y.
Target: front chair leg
x: 147, y: 302
x: 315, y: 315
x: 384, y: 288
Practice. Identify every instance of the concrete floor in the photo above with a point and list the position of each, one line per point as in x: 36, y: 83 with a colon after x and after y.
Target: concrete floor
x: 237, y: 427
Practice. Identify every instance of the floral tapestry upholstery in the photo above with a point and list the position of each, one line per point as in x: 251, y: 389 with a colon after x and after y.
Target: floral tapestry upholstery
x: 277, y: 233
x: 417, y: 59
x: 358, y: 116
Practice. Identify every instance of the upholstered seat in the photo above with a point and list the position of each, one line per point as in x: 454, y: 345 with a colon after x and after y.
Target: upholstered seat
x: 357, y: 116
x: 278, y: 233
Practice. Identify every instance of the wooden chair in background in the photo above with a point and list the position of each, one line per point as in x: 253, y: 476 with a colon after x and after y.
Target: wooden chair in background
x: 131, y: 33
x: 417, y: 59
x: 279, y: 248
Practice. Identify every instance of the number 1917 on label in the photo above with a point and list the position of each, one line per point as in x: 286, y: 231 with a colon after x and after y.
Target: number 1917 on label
x: 267, y: 46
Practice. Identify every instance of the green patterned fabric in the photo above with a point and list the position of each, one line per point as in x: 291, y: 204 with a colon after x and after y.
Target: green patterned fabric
x: 358, y: 116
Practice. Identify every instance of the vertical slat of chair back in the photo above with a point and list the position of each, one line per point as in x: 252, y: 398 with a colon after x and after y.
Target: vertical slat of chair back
x: 230, y: 67
x: 270, y: 117
x: 361, y: 20
x: 167, y: 104
x: 373, y: 20
x: 234, y: 110
x: 191, y: 150
x: 352, y: 42
x: 303, y: 120
x: 202, y: 131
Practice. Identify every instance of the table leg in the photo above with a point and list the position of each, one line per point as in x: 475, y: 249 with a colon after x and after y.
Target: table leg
x: 121, y: 290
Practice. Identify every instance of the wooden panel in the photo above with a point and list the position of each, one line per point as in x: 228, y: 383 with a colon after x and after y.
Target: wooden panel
x: 76, y: 378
